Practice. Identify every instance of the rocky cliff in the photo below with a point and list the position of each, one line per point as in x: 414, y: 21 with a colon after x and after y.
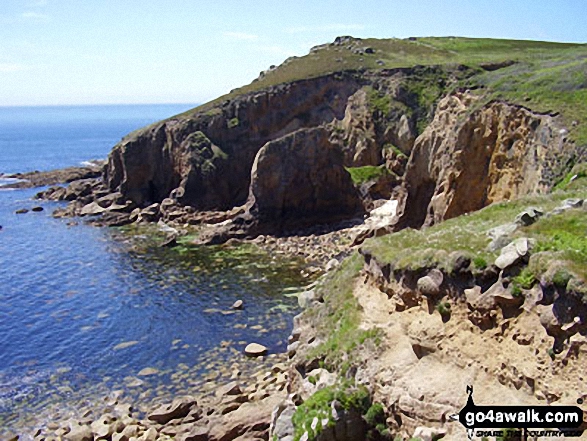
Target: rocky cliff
x: 204, y: 159
x: 209, y: 156
x: 468, y: 158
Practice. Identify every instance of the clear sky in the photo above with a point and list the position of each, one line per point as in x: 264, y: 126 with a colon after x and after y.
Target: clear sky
x: 174, y: 51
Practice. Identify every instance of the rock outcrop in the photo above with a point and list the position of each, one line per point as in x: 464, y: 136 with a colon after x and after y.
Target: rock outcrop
x: 296, y: 181
x: 299, y: 180
x: 467, y: 159
x: 208, y: 157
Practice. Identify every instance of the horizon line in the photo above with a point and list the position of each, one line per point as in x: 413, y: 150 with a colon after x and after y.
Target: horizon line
x: 7, y: 106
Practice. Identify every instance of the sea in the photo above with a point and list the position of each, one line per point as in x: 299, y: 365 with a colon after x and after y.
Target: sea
x: 87, y: 312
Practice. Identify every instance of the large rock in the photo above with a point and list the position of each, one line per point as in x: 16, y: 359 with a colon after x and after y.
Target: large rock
x: 179, y: 408
x: 299, y: 180
x: 255, y: 350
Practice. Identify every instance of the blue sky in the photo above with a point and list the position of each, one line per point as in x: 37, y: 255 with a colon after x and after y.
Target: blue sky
x: 157, y: 51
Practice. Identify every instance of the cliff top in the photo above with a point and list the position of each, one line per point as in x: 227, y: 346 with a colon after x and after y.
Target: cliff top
x: 545, y: 76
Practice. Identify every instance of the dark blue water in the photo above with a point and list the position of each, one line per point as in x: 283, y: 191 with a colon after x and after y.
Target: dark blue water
x: 45, y: 138
x: 83, y: 310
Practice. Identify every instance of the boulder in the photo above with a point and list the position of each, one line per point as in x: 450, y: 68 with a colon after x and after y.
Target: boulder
x: 255, y: 350
x: 529, y: 216
x: 179, y: 408
x: 79, y: 432
x: 513, y: 252
x: 238, y: 304
x: 428, y: 433
x: 568, y: 204
x: 429, y: 285
x: 231, y: 388
x: 92, y: 209
x: 150, y: 213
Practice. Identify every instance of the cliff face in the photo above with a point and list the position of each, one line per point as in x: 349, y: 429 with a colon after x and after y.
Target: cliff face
x: 209, y: 156
x: 466, y: 160
x: 471, y: 154
x: 299, y: 180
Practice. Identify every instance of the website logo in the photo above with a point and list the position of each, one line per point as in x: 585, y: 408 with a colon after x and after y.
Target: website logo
x: 553, y: 420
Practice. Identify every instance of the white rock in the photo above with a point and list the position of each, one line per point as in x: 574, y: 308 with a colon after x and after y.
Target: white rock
x: 255, y: 350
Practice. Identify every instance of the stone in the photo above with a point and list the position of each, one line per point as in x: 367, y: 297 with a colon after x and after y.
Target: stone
x: 568, y: 204
x: 103, y: 427
x: 232, y: 388
x: 149, y: 435
x: 332, y: 263
x: 238, y: 304
x: 195, y: 434
x: 131, y: 431
x: 21, y: 211
x: 429, y: 285
x: 37, y: 209
x: 148, y: 371
x: 507, y: 258
x: 179, y: 408
x: 255, y: 350
x: 305, y: 298
x: 150, y: 213
x: 511, y: 253
x: 79, y: 432
x: 529, y: 216
x: 92, y: 209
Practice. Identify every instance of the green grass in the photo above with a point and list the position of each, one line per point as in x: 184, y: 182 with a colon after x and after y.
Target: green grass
x: 318, y: 406
x: 339, y: 318
x: 395, y: 149
x: 232, y: 123
x: 524, y: 280
x: 367, y: 173
x: 404, y: 53
x: 380, y: 101
x: 578, y: 172
x: 563, y: 234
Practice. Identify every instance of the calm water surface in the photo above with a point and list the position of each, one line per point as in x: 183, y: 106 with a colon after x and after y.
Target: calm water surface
x: 82, y: 312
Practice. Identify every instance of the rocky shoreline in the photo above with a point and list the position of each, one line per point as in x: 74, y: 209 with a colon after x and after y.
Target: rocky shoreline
x: 239, y: 401
x: 235, y: 405
x: 33, y: 179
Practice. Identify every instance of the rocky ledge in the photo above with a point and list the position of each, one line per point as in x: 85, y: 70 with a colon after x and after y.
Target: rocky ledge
x: 34, y: 179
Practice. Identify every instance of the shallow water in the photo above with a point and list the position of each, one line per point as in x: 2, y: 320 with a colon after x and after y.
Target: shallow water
x: 82, y: 313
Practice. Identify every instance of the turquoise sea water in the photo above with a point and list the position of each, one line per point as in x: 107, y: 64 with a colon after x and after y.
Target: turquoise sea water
x: 81, y: 313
